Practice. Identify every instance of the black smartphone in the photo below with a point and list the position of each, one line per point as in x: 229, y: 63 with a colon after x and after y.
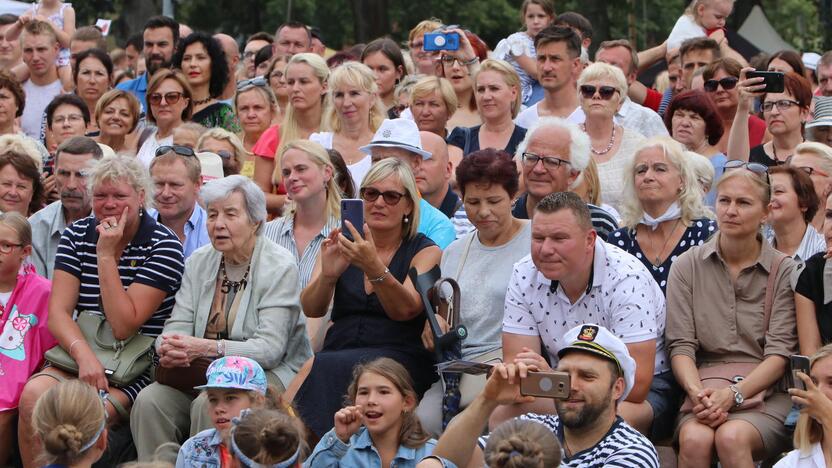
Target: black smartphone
x: 773, y: 80
x: 552, y: 384
x: 798, y: 363
x: 352, y: 210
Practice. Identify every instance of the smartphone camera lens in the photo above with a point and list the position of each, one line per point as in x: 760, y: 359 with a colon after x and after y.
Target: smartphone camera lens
x: 546, y: 384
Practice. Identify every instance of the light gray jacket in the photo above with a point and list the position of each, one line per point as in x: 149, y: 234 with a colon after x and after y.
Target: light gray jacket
x: 269, y: 326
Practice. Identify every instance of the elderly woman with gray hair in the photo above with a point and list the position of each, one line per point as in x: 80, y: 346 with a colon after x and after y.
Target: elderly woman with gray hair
x: 118, y: 265
x: 239, y: 297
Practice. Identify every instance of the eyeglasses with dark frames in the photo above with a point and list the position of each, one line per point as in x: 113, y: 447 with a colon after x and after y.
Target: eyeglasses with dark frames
x: 549, y: 162
x: 606, y: 92
x: 178, y: 149
x: 391, y: 197
x: 727, y: 83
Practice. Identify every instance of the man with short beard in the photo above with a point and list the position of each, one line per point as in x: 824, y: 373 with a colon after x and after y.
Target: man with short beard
x: 160, y: 37
x: 601, y: 374
x: 71, y: 161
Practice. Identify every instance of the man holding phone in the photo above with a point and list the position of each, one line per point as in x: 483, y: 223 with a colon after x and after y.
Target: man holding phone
x: 601, y: 372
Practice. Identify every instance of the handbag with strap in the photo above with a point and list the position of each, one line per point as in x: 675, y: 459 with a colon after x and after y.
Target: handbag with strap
x: 726, y: 374
x: 124, y: 360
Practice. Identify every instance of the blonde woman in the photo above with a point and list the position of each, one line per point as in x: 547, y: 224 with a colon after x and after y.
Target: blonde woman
x: 256, y: 107
x: 498, y: 96
x: 235, y: 158
x: 589, y: 189
x: 810, y: 440
x: 433, y: 103
x: 128, y: 277
x: 355, y: 112
x: 376, y: 311
x: 601, y: 92
x: 306, y: 78
x: 663, y: 214
x: 310, y: 180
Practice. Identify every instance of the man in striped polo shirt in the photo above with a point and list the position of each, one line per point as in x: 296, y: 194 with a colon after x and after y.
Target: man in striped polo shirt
x: 601, y: 372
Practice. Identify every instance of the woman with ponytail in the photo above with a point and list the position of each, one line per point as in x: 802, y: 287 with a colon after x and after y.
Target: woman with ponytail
x: 71, y: 423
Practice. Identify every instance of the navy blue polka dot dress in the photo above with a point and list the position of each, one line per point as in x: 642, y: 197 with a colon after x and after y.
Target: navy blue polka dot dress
x: 699, y: 231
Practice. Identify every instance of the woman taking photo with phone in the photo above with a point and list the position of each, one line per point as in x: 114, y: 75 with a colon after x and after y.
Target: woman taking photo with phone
x: 811, y: 443
x: 785, y: 114
x: 376, y: 310
x: 459, y: 67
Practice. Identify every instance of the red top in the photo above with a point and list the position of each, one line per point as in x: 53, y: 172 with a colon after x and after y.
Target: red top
x: 653, y: 99
x: 266, y: 147
x: 756, y: 131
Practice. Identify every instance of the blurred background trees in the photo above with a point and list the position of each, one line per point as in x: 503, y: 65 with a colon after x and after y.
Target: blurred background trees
x: 805, y: 24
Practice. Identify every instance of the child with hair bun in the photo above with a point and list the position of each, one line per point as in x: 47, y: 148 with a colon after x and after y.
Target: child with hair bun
x: 268, y: 438
x: 521, y: 443
x: 379, y: 427
x: 71, y: 423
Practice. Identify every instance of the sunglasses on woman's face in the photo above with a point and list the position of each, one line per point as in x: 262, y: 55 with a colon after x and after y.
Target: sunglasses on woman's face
x: 170, y: 98
x: 727, y: 83
x: 370, y: 195
x: 606, y: 92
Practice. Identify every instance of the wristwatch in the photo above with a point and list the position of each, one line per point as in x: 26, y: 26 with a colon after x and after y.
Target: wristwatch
x: 738, y: 398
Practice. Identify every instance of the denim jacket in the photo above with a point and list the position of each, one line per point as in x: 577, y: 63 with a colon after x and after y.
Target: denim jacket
x: 360, y: 453
x: 201, y: 451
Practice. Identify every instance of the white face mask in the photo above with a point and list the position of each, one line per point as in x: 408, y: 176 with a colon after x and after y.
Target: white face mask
x: 584, y: 55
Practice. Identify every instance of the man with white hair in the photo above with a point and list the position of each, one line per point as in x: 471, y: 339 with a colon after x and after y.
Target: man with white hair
x: 553, y: 156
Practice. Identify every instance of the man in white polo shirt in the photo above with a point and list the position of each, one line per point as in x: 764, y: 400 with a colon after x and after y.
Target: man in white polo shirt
x: 572, y: 278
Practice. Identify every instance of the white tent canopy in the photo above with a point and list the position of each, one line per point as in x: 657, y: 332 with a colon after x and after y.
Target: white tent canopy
x: 759, y: 31
x: 11, y: 6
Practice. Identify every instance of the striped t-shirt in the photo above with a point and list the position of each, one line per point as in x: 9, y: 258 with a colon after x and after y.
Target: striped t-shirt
x: 153, y: 258
x: 622, y: 446
x: 281, y: 232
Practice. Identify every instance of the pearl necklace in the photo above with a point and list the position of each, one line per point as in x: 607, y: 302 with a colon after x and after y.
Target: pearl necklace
x: 609, y: 146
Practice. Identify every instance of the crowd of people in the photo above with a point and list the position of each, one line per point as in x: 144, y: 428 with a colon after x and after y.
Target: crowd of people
x: 185, y: 279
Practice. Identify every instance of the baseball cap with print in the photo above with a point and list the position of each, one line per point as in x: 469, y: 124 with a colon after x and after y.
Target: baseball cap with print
x: 595, y: 339
x: 235, y: 372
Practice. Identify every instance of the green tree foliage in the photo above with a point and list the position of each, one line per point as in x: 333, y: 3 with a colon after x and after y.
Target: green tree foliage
x: 346, y: 22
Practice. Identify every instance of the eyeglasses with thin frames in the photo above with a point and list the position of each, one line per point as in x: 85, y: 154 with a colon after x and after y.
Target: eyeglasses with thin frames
x: 7, y: 247
x: 391, y: 197
x: 757, y: 168
x: 170, y: 98
x: 256, y: 81
x: 782, y: 105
